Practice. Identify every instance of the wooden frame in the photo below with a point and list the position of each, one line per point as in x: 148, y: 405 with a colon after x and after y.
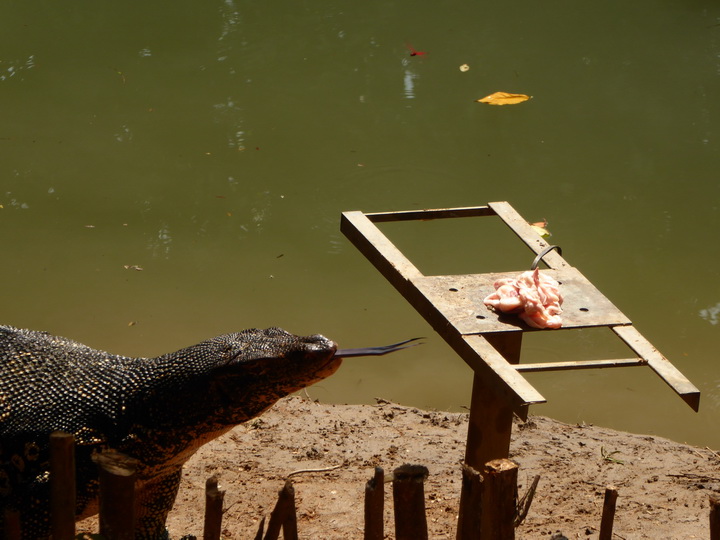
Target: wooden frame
x: 490, y: 343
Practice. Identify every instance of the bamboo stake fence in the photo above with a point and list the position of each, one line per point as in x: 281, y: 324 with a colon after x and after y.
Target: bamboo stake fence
x: 495, y: 488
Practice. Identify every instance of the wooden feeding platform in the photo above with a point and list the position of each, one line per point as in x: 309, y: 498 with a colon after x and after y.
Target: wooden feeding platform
x: 489, y: 342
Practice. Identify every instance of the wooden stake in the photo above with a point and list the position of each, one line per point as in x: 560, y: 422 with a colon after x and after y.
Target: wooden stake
x: 213, y: 509
x: 608, y: 514
x: 283, y: 515
x: 471, y: 496
x: 290, y: 530
x: 714, y: 517
x: 523, y: 506
x: 409, y: 502
x: 62, y: 485
x: 117, y: 495
x: 11, y: 520
x: 261, y: 529
x: 499, y: 500
x: 374, y: 506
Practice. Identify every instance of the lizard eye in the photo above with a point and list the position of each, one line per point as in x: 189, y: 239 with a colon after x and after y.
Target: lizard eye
x: 227, y: 354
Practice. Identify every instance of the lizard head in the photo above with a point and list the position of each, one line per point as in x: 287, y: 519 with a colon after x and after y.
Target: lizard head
x: 232, y: 378
x: 292, y: 362
x: 257, y: 367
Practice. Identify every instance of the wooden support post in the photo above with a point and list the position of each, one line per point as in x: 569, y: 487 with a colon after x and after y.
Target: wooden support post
x: 117, y: 495
x: 375, y: 506
x: 213, y: 509
x: 283, y: 515
x: 491, y: 409
x: 608, y: 513
x: 470, y: 504
x: 62, y: 485
x: 489, y: 429
x: 714, y: 517
x: 409, y: 502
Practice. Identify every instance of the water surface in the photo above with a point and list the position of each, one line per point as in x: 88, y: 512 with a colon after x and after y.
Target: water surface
x: 172, y: 173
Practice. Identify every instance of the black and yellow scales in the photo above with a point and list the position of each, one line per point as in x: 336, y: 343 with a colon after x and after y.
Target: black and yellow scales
x: 157, y: 410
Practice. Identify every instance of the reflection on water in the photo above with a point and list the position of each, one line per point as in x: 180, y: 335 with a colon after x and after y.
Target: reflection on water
x: 124, y: 134
x: 711, y: 314
x: 159, y: 244
x: 230, y: 18
x: 409, y: 82
x: 230, y: 113
x: 11, y: 68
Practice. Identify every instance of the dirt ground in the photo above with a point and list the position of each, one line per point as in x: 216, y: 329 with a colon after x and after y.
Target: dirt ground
x: 663, y: 486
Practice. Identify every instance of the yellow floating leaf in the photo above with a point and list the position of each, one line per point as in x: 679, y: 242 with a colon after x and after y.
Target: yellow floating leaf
x: 464, y: 68
x: 503, y: 98
x: 540, y: 227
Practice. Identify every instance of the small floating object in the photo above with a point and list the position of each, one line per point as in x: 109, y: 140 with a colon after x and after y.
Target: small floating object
x: 540, y: 227
x: 464, y: 68
x: 503, y: 98
x: 414, y: 52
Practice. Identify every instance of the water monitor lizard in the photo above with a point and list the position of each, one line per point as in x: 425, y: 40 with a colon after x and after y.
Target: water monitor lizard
x: 157, y: 410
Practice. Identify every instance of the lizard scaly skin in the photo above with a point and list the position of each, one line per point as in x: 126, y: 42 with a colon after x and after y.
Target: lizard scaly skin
x: 157, y: 410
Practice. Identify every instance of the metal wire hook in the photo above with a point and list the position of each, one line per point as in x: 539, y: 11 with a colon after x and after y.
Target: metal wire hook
x: 543, y: 253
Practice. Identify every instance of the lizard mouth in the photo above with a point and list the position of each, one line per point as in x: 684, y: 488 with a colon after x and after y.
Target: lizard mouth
x: 330, y: 366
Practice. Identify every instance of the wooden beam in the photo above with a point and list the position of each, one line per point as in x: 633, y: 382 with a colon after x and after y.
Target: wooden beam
x: 526, y: 233
x: 581, y: 364
x: 660, y: 365
x: 435, y: 213
x: 484, y: 358
x: 380, y: 251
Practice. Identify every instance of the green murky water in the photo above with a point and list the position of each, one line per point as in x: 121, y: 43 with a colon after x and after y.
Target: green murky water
x: 214, y: 146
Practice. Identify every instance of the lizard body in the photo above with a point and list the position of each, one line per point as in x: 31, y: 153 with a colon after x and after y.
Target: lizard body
x: 157, y: 410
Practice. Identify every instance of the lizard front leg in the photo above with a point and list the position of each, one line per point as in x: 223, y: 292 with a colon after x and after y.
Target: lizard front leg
x: 154, y: 499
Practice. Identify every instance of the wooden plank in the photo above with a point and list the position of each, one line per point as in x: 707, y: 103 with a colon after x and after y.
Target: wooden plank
x: 581, y: 364
x: 526, y: 233
x: 660, y: 365
x: 460, y: 299
x: 435, y: 213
